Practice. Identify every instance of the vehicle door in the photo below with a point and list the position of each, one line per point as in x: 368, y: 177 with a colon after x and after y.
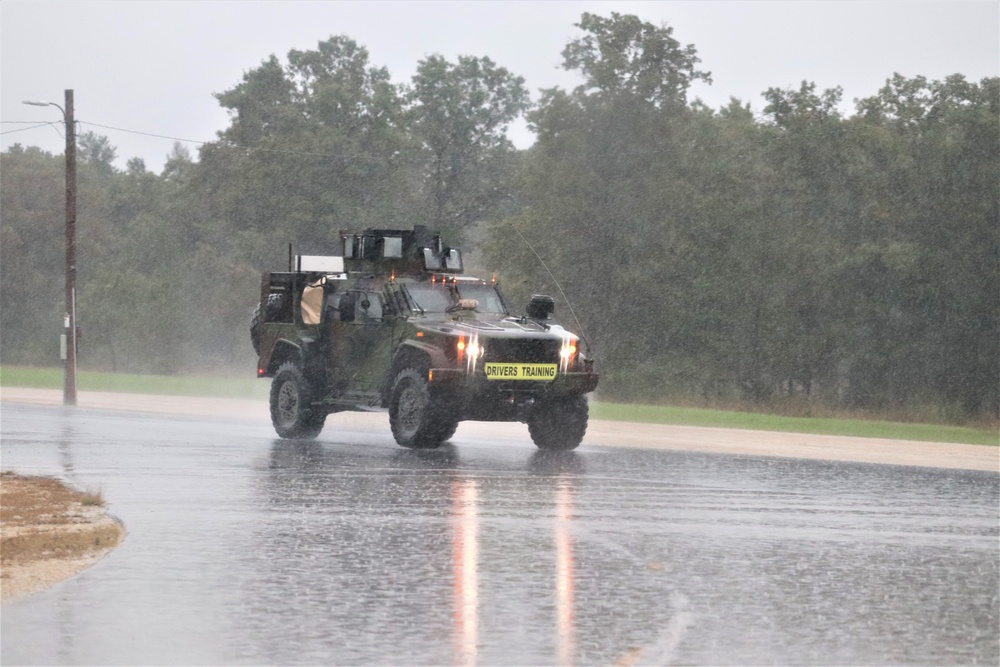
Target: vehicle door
x: 368, y: 326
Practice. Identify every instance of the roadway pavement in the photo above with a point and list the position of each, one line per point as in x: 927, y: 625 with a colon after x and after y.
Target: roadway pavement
x: 599, y: 432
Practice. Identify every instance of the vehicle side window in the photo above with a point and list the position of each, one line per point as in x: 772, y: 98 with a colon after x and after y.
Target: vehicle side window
x: 355, y: 306
x: 331, y: 305
x: 311, y: 303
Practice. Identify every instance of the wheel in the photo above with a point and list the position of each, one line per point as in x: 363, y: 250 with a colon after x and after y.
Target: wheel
x: 447, y: 428
x: 559, y: 424
x: 415, y: 420
x: 292, y: 413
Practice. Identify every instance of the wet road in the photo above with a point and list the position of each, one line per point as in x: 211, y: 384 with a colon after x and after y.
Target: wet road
x: 243, y: 549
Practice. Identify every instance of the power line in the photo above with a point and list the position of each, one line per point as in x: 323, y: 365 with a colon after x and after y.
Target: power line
x: 145, y: 134
x: 238, y: 147
x: 248, y: 149
x: 25, y: 129
x: 397, y: 155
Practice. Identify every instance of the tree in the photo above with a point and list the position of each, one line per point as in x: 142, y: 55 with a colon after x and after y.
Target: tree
x: 135, y: 166
x: 460, y: 113
x: 802, y: 255
x: 31, y: 255
x: 623, y: 56
x: 97, y: 151
x: 945, y: 173
x: 310, y: 149
x: 259, y: 106
x: 786, y: 106
x: 179, y: 163
x: 605, y: 182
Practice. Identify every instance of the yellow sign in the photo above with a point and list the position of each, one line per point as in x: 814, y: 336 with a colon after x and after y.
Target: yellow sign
x: 536, y: 372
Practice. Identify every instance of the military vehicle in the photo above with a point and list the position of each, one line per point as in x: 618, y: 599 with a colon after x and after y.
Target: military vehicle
x: 394, y: 324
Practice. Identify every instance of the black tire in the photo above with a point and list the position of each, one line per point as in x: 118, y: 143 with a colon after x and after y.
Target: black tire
x: 447, y: 428
x: 255, y: 329
x: 275, y: 303
x: 415, y: 420
x: 559, y: 424
x: 292, y: 412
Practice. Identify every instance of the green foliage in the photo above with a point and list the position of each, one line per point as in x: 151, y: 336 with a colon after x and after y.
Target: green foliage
x: 310, y: 150
x: 803, y: 106
x: 802, y: 256
x: 32, y: 227
x: 460, y: 113
x: 623, y: 56
x: 710, y: 255
x: 97, y: 151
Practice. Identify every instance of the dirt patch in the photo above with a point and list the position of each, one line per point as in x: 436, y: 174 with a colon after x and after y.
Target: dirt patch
x: 49, y: 532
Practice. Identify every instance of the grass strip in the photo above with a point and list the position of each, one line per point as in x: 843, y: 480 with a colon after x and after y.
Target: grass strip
x: 864, y: 428
x: 170, y: 385
x: 253, y: 388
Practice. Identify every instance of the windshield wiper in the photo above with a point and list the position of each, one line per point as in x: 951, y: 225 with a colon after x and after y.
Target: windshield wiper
x: 410, y: 301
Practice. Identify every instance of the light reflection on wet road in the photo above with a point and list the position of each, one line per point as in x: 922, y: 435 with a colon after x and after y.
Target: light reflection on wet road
x: 349, y: 550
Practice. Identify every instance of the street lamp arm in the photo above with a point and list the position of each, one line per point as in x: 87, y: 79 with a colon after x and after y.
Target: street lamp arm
x: 45, y: 104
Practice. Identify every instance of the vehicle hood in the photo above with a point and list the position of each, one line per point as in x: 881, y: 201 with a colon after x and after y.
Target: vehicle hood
x: 510, y: 327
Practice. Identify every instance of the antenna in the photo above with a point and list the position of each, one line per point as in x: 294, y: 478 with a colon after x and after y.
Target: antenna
x: 579, y: 326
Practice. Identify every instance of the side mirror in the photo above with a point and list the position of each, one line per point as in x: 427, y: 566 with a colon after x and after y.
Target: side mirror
x: 541, y: 306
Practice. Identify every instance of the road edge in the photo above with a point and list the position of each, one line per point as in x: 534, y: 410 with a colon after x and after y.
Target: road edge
x: 744, y: 442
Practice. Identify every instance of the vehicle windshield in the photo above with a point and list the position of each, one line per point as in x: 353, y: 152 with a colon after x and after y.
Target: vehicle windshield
x: 487, y: 296
x: 437, y: 298
x: 431, y: 298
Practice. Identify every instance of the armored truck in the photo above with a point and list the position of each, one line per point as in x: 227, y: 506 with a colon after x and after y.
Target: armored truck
x: 394, y: 324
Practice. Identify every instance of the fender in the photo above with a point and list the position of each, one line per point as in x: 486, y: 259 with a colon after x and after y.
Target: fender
x: 284, y: 350
x: 408, y: 352
x: 433, y: 353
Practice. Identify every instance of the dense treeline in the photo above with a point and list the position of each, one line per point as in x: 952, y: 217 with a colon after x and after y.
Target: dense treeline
x: 710, y: 254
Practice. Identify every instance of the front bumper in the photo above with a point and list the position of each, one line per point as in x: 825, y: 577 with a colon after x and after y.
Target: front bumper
x: 564, y: 383
x: 474, y: 396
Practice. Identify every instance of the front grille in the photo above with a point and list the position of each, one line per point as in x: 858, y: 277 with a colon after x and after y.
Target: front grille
x: 531, y: 351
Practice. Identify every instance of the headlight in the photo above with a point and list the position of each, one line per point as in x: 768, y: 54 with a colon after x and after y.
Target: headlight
x: 567, y: 352
x: 470, y: 349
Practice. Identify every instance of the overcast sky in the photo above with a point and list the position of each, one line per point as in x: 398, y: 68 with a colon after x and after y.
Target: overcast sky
x: 152, y: 67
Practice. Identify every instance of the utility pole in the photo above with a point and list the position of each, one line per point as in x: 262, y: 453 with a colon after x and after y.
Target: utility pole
x: 69, y: 321
x: 69, y: 384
